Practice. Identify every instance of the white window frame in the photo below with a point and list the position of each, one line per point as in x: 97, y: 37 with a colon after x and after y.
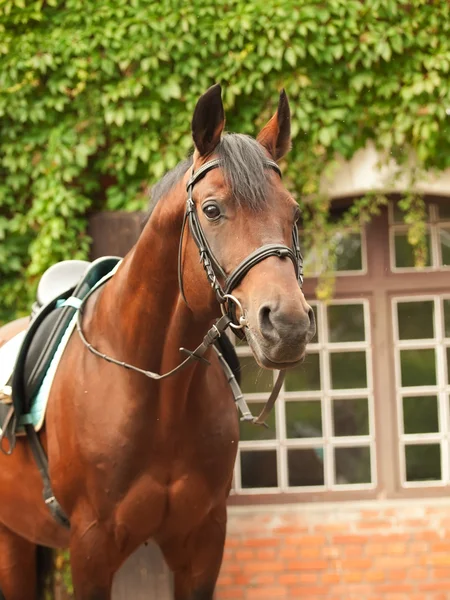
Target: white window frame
x: 434, y: 226
x: 328, y: 442
x: 441, y: 389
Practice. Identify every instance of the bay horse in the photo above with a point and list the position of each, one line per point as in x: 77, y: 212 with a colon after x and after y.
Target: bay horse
x: 133, y: 458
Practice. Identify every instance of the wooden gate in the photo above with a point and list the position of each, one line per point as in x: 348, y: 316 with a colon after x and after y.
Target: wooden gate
x: 145, y: 575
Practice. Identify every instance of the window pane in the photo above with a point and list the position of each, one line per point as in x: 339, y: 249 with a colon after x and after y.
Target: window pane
x: 259, y: 468
x: 248, y: 431
x: 303, y: 419
x: 444, y: 211
x: 423, y: 462
x: 404, y: 254
x: 305, y: 467
x: 352, y: 465
x: 254, y: 379
x: 447, y: 317
x: 348, y: 370
x: 415, y: 320
x: 445, y: 246
x: 420, y: 414
x: 346, y: 322
x: 418, y: 367
x: 348, y: 253
x: 305, y: 377
x: 351, y: 417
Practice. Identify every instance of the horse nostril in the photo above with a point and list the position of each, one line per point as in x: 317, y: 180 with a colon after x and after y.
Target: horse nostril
x: 265, y: 322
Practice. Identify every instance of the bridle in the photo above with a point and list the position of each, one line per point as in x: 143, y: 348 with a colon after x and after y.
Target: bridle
x: 214, y: 271
x: 228, y: 302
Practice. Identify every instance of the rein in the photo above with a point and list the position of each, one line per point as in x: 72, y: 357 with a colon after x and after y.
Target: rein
x: 227, y: 301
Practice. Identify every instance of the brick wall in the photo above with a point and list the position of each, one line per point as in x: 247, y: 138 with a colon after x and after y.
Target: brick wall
x: 348, y: 551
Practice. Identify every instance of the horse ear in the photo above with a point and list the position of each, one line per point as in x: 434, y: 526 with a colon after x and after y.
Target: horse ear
x: 276, y: 135
x: 208, y: 121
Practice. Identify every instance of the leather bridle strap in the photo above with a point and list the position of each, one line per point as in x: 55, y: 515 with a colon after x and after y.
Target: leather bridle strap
x: 279, y: 250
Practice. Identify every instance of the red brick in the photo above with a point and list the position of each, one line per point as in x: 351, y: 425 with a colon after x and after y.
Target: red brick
x: 356, y: 564
x: 428, y: 536
x: 436, y: 559
x: 375, y: 524
x: 375, y: 549
x: 261, y: 542
x: 394, y: 562
x: 308, y: 577
x: 352, y: 576
x: 417, y: 547
x: 266, y: 554
x: 313, y: 552
x: 331, y: 577
x: 442, y: 573
x: 350, y: 539
x: 397, y: 574
x: 244, y: 554
x: 354, y: 551
x: 307, y: 565
x: 290, y: 578
x: 266, y: 593
x: 418, y: 573
x: 288, y: 553
x: 264, y: 565
x: 440, y: 547
x: 373, y: 575
x: 435, y: 586
x: 308, y: 592
x: 241, y: 579
x: 263, y: 579
x: 229, y: 593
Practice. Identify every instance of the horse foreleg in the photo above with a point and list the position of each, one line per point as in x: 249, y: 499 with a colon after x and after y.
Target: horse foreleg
x: 18, y: 577
x: 93, y: 560
x: 196, y: 560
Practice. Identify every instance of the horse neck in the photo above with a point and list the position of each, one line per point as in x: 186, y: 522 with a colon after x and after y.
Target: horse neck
x: 141, y: 311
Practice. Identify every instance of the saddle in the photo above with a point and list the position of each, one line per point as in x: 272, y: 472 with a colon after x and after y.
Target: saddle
x: 51, y: 314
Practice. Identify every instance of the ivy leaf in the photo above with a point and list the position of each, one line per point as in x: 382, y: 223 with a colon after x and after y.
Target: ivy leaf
x: 290, y: 57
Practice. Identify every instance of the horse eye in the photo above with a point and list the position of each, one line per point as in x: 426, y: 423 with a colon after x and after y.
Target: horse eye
x: 212, y: 211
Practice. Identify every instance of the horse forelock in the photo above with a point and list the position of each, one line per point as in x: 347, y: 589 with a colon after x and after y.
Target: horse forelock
x: 243, y: 166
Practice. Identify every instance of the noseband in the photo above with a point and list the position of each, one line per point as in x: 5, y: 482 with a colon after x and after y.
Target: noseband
x: 211, y: 265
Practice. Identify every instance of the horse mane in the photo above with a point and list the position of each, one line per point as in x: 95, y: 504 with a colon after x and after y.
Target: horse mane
x: 243, y: 165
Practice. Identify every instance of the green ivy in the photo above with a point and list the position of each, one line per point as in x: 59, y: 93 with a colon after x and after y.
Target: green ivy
x: 96, y: 100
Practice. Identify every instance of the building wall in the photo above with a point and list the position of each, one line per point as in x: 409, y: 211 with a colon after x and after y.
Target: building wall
x: 390, y: 550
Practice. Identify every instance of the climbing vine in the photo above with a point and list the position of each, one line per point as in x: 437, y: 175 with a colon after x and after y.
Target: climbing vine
x: 96, y: 101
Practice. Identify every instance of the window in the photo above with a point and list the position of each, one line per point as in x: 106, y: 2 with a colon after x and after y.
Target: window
x: 381, y: 357
x: 321, y: 432
x: 422, y: 334
x: 438, y: 239
x: 350, y: 255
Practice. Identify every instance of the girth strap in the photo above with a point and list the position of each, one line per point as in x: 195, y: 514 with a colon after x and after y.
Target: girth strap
x: 42, y: 464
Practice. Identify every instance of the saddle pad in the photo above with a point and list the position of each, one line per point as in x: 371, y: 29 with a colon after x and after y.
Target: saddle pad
x: 8, y: 356
x: 39, y: 402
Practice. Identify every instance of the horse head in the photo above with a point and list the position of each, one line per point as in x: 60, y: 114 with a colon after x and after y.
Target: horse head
x: 243, y: 221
